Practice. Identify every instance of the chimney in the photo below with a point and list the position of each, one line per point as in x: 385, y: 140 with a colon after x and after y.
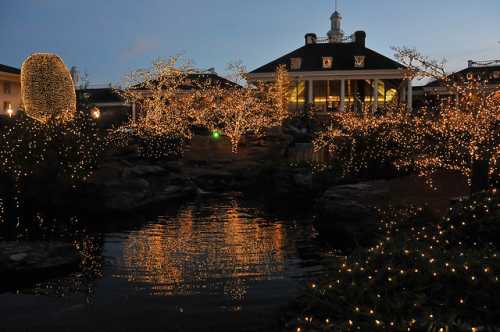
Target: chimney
x: 311, y: 38
x: 470, y: 63
x: 360, y: 38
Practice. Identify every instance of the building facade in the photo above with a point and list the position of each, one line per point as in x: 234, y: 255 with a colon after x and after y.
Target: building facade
x: 338, y: 73
x: 10, y: 90
x: 486, y: 71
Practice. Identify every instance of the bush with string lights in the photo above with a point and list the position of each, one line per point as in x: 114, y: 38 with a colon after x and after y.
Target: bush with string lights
x: 68, y: 150
x: 422, y: 275
x: 460, y: 134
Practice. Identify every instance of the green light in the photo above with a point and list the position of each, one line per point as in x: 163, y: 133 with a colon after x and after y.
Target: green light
x: 215, y: 134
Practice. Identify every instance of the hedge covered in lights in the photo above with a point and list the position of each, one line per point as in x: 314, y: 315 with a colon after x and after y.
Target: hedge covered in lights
x: 47, y: 88
x: 70, y: 151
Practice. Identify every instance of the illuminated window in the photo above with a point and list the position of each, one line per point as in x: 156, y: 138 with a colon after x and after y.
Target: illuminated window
x: 391, y: 94
x: 470, y: 76
x: 496, y: 74
x: 7, y: 88
x: 295, y: 63
x: 327, y: 62
x: 359, y: 61
x: 296, y: 95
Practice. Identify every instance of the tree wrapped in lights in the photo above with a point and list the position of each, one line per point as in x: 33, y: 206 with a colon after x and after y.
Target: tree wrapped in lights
x: 467, y: 126
x: 459, y: 134
x: 421, y: 275
x: 68, y: 151
x: 45, y: 152
x: 364, y: 141
x: 47, y: 88
x: 237, y: 111
x: 166, y: 116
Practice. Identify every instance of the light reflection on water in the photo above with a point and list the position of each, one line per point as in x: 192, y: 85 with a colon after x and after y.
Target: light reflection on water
x: 214, y: 251
x: 211, y: 258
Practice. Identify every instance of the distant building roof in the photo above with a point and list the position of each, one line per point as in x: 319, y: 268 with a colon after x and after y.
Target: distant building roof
x: 490, y: 73
x: 210, y: 78
x: 110, y: 95
x: 9, y: 69
x: 102, y: 95
x: 343, y: 58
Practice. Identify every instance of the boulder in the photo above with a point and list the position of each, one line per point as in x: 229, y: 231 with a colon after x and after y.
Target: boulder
x: 142, y: 171
x: 31, y: 261
x: 346, y: 213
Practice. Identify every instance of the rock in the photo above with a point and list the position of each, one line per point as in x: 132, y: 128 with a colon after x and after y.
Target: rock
x: 212, y: 179
x: 31, y: 261
x: 345, y: 213
x: 18, y: 257
x: 142, y: 171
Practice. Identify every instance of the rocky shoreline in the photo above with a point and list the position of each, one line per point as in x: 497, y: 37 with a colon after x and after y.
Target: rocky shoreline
x: 23, y: 262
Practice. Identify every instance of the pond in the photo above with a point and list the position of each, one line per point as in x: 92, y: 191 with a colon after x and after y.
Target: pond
x: 215, y: 264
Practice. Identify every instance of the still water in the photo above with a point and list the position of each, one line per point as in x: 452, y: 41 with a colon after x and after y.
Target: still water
x: 215, y: 264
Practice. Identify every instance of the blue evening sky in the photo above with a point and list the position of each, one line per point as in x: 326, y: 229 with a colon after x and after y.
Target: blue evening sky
x: 108, y: 38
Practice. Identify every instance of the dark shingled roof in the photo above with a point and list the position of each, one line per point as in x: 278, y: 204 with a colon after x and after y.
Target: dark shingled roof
x: 102, y: 95
x: 9, y: 69
x: 109, y: 95
x: 343, y: 58
x: 193, y: 79
x: 485, y: 73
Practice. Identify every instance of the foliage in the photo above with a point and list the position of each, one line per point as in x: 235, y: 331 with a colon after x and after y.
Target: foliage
x: 422, y: 275
x: 457, y: 134
x: 47, y: 88
x: 365, y: 141
x: 167, y: 113
x: 237, y: 111
x: 67, y: 151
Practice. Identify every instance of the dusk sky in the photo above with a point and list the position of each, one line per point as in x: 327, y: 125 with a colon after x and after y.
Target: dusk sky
x: 108, y: 38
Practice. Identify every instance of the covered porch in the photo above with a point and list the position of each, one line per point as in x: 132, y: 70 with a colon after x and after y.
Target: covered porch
x: 349, y: 91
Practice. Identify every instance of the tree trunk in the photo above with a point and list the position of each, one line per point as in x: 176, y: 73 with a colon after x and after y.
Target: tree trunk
x: 480, y: 175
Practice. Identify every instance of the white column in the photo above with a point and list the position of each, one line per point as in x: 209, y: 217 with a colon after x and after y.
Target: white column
x: 310, y: 92
x: 375, y: 96
x: 133, y: 112
x: 342, y: 96
x: 409, y: 97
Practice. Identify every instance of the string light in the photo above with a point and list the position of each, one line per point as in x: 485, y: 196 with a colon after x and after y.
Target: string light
x: 47, y: 88
x: 168, y: 113
x: 417, y: 301
x: 455, y: 135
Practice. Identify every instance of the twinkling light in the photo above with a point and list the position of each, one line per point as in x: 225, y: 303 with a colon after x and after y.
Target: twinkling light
x: 168, y: 112
x: 47, y: 88
x: 244, y: 110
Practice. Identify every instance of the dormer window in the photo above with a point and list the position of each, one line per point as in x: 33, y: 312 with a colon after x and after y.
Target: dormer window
x: 295, y: 63
x: 327, y: 62
x: 359, y: 61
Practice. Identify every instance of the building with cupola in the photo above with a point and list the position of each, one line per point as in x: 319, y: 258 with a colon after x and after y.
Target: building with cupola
x: 339, y: 72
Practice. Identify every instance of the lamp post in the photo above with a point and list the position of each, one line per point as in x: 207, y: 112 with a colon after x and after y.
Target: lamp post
x: 10, y: 111
x: 95, y: 113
